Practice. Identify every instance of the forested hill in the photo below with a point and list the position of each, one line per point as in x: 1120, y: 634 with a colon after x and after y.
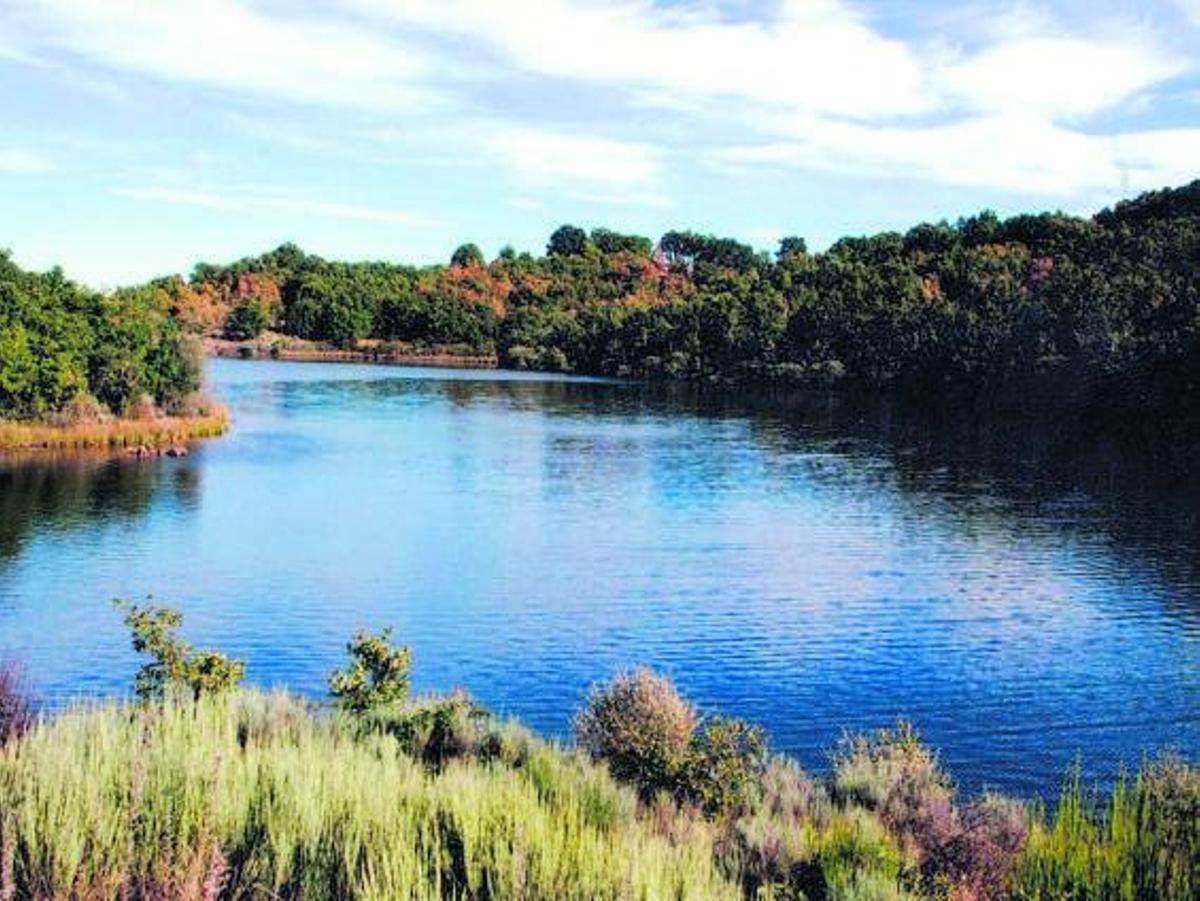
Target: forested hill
x: 1078, y: 305
x: 973, y: 304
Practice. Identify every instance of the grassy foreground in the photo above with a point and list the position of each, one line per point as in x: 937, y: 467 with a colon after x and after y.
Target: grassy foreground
x: 203, y: 790
x: 254, y: 796
x: 158, y: 432
x: 262, y: 795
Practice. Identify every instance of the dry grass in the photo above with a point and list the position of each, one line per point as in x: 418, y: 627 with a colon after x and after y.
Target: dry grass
x: 163, y: 431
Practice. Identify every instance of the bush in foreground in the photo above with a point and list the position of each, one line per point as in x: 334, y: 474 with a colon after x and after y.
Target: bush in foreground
x: 650, y: 736
x: 252, y: 795
x: 1143, y: 842
x: 174, y: 666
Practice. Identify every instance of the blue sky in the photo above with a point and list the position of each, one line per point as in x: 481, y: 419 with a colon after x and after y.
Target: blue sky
x: 141, y: 137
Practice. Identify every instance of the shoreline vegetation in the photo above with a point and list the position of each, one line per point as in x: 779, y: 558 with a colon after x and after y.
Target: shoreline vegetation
x: 163, y: 433
x: 1096, y: 319
x: 276, y: 346
x: 80, y: 370
x: 201, y: 789
x: 1096, y: 315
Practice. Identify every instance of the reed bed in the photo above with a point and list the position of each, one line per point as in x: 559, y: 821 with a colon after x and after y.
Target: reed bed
x: 158, y: 432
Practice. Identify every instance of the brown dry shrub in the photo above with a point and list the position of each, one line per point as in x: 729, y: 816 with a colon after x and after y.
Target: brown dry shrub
x: 642, y: 727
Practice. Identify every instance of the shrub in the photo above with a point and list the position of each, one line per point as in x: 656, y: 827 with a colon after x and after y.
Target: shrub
x: 653, y: 738
x: 976, y: 861
x: 1166, y: 858
x: 377, y: 676
x: 247, y: 320
x: 436, y: 730
x: 247, y: 798
x: 508, y: 743
x: 790, y: 794
x: 857, y: 860
x: 16, y: 709
x: 773, y: 846
x: 143, y: 408
x: 82, y: 409
x: 174, y: 666
x: 893, y: 774
x: 725, y: 765
x: 640, y: 725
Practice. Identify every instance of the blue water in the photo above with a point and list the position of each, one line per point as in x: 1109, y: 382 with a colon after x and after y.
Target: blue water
x: 805, y: 565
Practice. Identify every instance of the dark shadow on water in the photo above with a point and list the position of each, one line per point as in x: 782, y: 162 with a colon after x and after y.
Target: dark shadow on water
x: 66, y: 493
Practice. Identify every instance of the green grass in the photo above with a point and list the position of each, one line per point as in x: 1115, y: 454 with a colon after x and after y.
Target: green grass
x: 256, y: 795
x: 1142, y: 842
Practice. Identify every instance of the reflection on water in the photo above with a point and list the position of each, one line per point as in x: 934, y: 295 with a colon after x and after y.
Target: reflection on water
x: 70, y: 491
x: 808, y: 564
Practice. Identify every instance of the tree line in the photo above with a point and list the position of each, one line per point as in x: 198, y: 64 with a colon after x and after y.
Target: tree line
x: 1082, y: 306
x: 979, y: 303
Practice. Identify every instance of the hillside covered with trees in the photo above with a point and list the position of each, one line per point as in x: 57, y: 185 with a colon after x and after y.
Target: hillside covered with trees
x: 977, y: 305
x: 1081, y: 308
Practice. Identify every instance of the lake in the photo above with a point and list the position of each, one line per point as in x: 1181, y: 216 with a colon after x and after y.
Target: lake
x: 808, y: 564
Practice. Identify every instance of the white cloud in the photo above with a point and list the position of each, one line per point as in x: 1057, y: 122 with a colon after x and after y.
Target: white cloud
x: 818, y: 86
x: 1057, y: 76
x: 284, y: 203
x: 542, y: 157
x: 227, y: 44
x: 817, y: 55
x: 17, y: 160
x: 1007, y: 152
x: 811, y: 57
x: 1000, y: 98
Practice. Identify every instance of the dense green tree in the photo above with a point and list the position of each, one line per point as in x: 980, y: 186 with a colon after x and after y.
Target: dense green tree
x: 608, y: 241
x: 790, y: 248
x: 567, y: 241
x: 59, y: 341
x: 247, y: 320
x: 1090, y: 307
x: 174, y: 666
x: 467, y: 255
x: 376, y: 677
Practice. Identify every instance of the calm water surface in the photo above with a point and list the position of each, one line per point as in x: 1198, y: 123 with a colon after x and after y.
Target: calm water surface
x: 809, y: 567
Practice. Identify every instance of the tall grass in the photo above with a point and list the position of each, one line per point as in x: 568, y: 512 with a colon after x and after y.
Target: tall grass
x: 1143, y: 842
x: 253, y: 796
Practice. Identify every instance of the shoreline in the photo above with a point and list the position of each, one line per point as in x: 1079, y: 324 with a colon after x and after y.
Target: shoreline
x: 149, y: 435
x: 434, y: 793
x: 296, y: 352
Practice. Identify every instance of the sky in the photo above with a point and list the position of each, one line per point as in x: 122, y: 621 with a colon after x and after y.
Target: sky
x: 138, y: 137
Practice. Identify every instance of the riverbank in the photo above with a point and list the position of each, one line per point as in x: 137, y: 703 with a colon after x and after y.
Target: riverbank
x: 275, y: 346
x: 149, y: 435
